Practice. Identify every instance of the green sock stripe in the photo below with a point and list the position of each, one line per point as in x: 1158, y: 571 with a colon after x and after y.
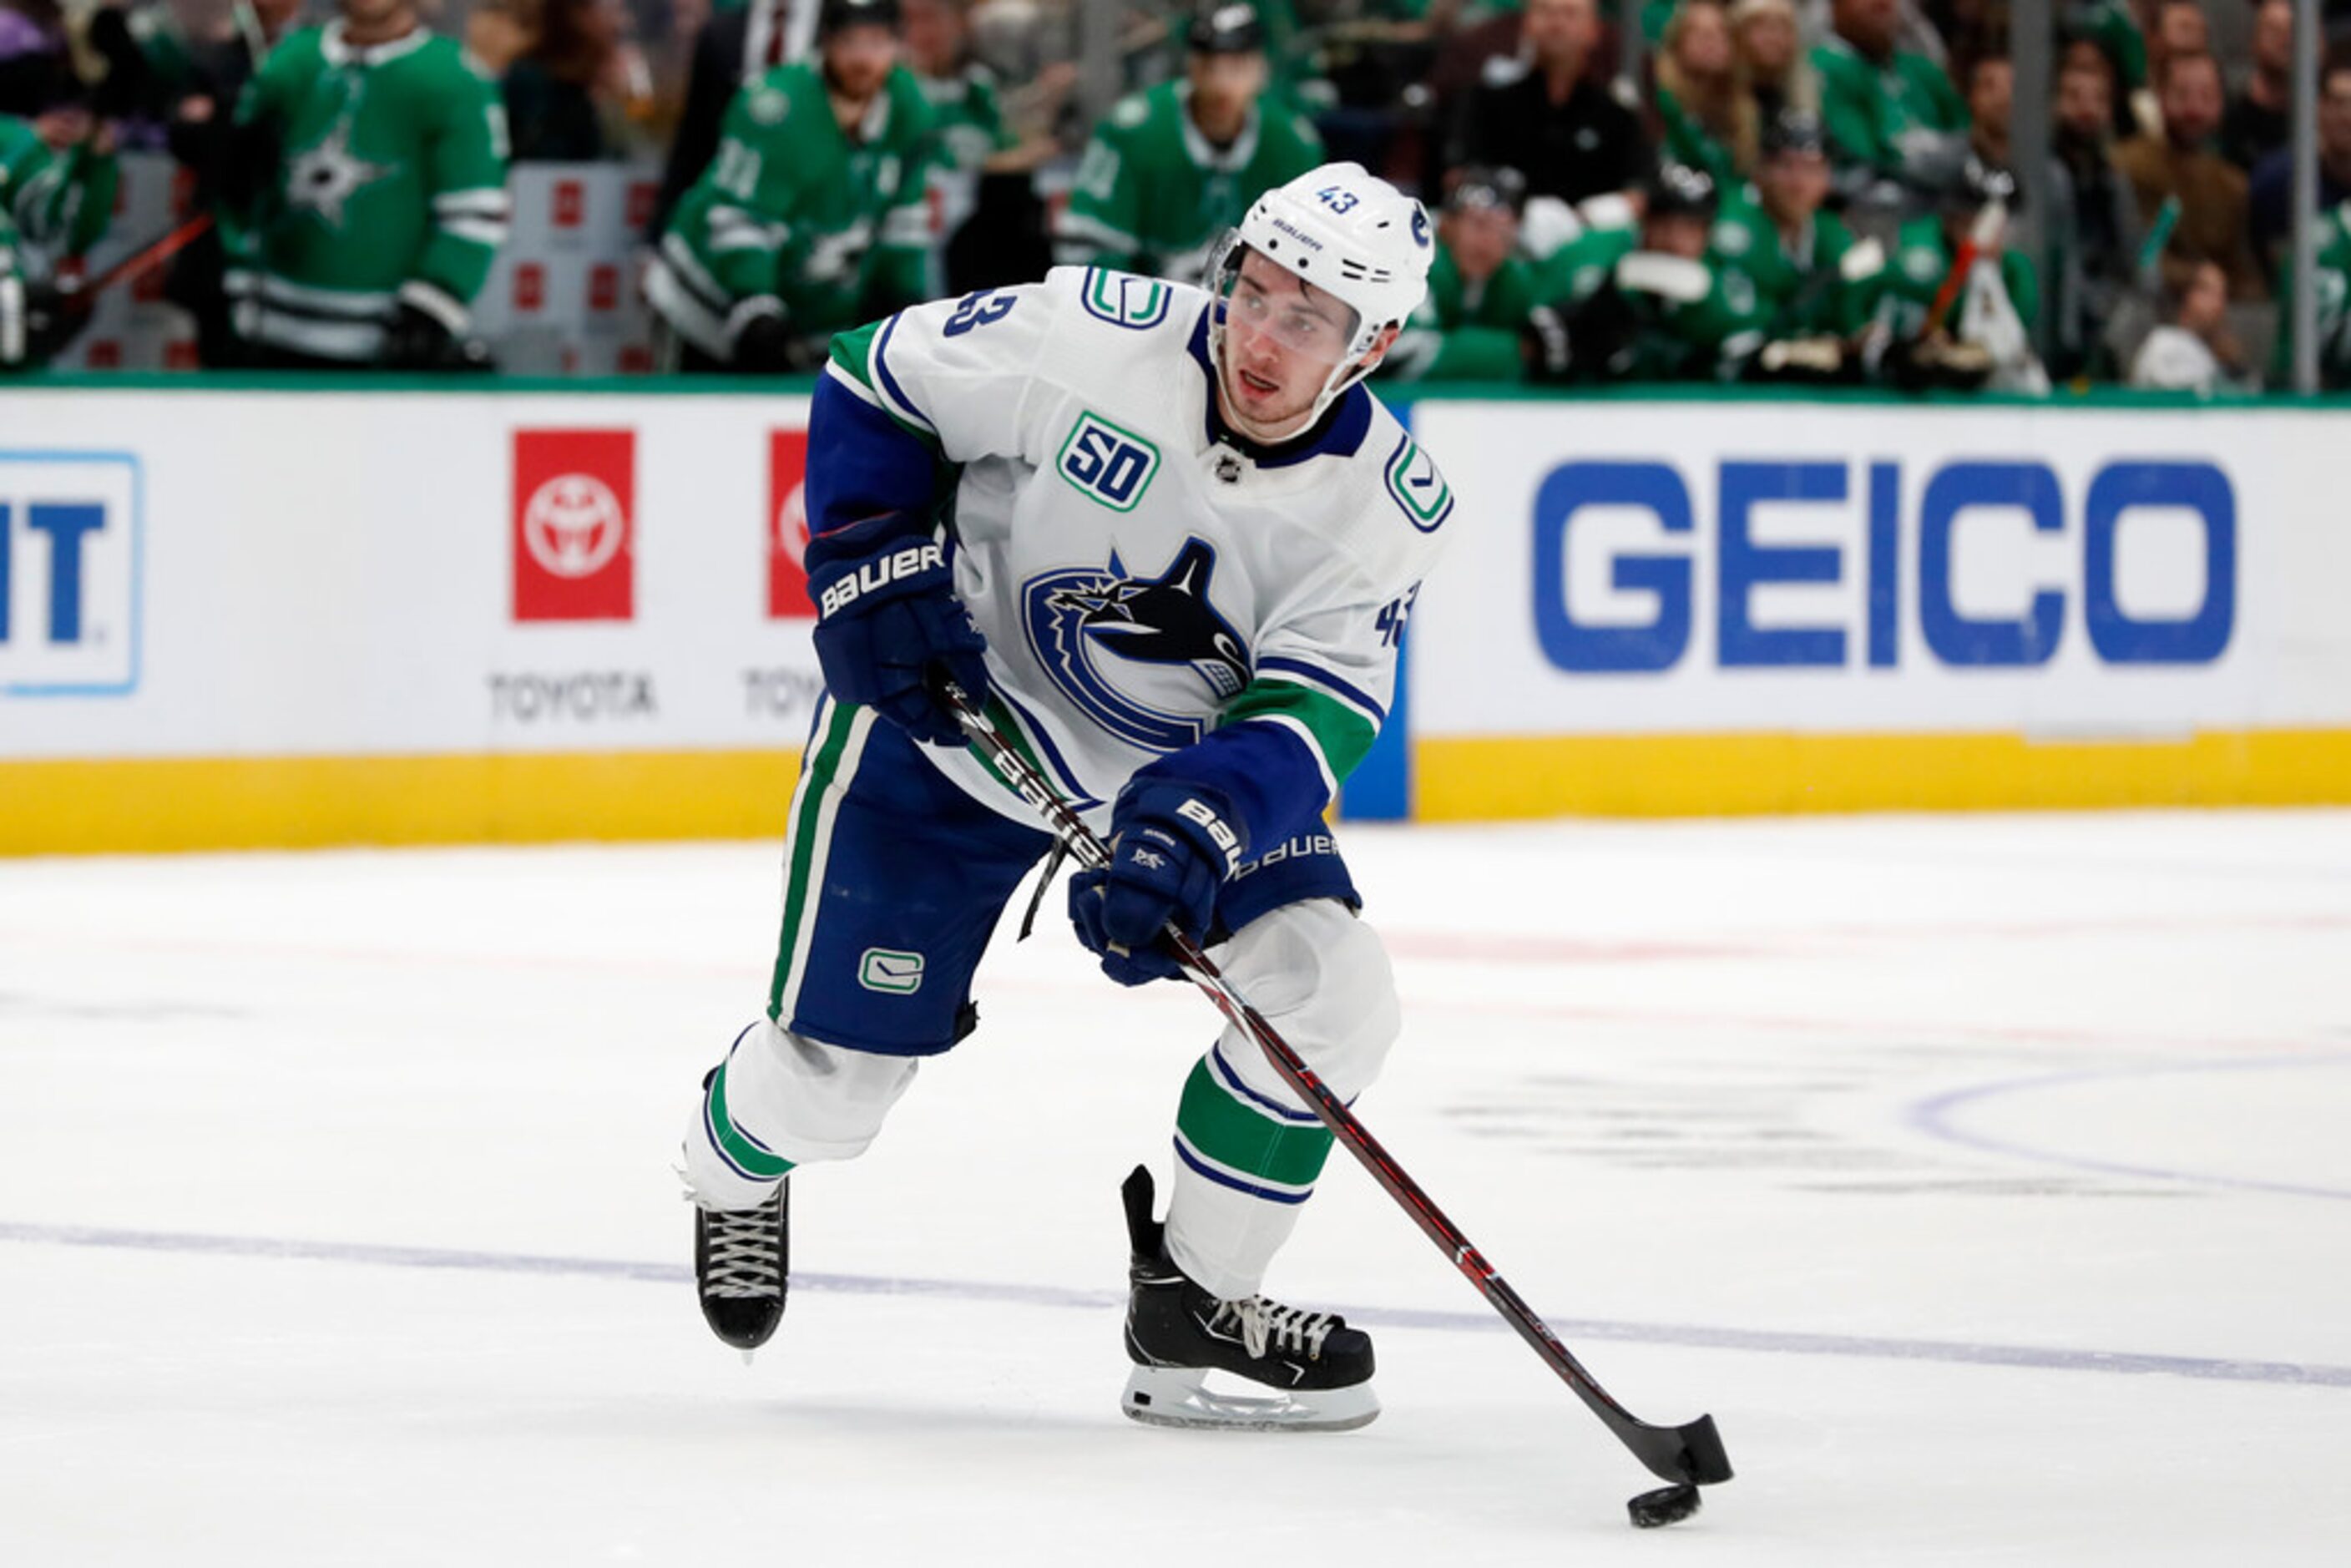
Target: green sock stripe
x: 815, y: 785
x: 745, y: 1154
x: 1235, y: 1134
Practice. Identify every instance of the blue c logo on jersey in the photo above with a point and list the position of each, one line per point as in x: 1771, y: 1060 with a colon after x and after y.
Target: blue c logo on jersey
x: 1083, y: 623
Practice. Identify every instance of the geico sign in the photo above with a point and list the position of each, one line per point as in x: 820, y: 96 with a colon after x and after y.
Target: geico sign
x: 1665, y: 569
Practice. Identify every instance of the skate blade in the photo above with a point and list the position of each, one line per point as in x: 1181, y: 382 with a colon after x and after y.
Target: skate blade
x: 1179, y: 1397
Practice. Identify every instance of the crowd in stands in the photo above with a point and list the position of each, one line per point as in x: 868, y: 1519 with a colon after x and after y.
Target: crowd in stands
x: 1818, y: 192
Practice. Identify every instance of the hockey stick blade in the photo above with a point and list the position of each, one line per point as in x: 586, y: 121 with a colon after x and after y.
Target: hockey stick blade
x: 1691, y: 1454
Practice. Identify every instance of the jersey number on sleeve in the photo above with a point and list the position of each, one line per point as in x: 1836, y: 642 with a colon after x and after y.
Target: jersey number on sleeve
x: 978, y: 310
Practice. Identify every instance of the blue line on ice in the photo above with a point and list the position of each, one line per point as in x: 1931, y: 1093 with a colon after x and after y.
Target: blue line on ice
x: 1937, y: 1117
x: 1775, y: 1341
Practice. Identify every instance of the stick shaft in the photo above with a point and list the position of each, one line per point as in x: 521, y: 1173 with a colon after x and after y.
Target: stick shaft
x: 1679, y: 1454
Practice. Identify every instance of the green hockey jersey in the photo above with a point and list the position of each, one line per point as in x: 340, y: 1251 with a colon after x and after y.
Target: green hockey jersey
x: 1869, y: 112
x: 1671, y: 340
x: 1791, y: 292
x: 1464, y: 331
x: 391, y: 189
x: 1922, y: 259
x: 828, y: 228
x: 52, y: 205
x: 1153, y: 195
x: 2332, y: 284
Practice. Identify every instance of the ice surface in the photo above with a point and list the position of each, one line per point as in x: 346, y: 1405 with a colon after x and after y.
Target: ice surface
x: 1984, y: 1176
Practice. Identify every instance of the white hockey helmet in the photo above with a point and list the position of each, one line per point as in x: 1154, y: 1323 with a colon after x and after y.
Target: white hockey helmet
x: 1351, y: 234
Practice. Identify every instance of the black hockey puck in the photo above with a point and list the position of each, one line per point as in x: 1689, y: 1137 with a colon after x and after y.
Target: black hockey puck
x: 1667, y: 1505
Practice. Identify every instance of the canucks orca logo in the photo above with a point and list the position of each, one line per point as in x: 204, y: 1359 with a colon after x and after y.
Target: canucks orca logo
x: 1086, y: 624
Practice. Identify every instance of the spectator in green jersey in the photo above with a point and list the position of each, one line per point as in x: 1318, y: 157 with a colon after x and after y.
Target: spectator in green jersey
x: 367, y: 196
x: 1709, y: 116
x: 1481, y: 292
x: 813, y: 216
x: 1894, y: 120
x: 1169, y: 170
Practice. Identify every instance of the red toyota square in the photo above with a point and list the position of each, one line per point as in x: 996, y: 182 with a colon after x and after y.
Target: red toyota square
x: 530, y: 286
x: 643, y: 193
x: 570, y: 204
x: 604, y: 287
x: 787, y: 591
x: 574, y: 524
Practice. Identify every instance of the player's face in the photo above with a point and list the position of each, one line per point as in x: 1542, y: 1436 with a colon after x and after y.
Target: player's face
x: 1794, y: 185
x: 1481, y: 239
x: 1223, y: 88
x: 2082, y: 104
x: 1703, y: 43
x: 1868, y: 25
x: 934, y: 30
x: 1282, y: 340
x: 857, y: 60
x: 1676, y: 233
x: 2191, y: 100
x: 2335, y: 115
x: 1768, y: 39
x: 1560, y: 30
x: 374, y: 16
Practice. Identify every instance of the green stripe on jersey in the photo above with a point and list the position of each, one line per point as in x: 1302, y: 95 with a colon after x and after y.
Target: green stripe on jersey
x: 852, y: 355
x: 746, y: 1154
x: 816, y: 785
x: 1343, y: 733
x: 1231, y: 1133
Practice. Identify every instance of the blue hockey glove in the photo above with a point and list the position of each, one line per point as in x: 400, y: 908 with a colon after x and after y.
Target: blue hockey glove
x: 1172, y: 845
x: 887, y: 612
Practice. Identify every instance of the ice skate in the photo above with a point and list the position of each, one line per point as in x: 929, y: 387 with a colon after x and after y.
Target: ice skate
x: 1315, y: 1371
x: 742, y: 1268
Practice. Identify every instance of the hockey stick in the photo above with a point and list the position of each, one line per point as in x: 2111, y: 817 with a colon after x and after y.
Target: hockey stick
x: 1981, y: 236
x: 1690, y: 1456
x: 154, y: 252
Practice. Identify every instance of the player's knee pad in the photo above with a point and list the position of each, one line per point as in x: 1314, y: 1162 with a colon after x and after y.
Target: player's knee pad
x: 781, y: 1100
x: 1320, y: 976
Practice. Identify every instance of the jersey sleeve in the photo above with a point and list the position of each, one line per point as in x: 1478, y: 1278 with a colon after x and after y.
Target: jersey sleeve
x: 901, y: 268
x: 1324, y: 677
x: 737, y: 221
x: 1102, y: 224
x: 465, y: 178
x: 59, y: 204
x: 905, y: 398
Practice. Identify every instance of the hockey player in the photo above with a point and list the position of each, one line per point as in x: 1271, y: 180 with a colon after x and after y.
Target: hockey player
x: 1170, y: 170
x: 1921, y: 351
x: 1173, y: 540
x: 52, y: 206
x: 1808, y: 289
x: 366, y: 196
x: 1640, y: 305
x: 813, y: 215
x: 1479, y: 291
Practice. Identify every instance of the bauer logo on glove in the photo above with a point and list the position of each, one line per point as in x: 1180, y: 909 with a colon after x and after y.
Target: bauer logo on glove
x: 880, y: 573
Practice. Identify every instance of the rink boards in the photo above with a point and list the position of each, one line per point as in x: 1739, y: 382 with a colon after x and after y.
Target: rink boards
x: 246, y: 615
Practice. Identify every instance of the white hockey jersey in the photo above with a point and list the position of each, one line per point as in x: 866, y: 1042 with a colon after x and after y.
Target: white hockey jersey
x: 1149, y: 583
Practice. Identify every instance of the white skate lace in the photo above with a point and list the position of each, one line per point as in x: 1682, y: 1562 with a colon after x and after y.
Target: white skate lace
x: 1264, y: 1322
x: 742, y: 1253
